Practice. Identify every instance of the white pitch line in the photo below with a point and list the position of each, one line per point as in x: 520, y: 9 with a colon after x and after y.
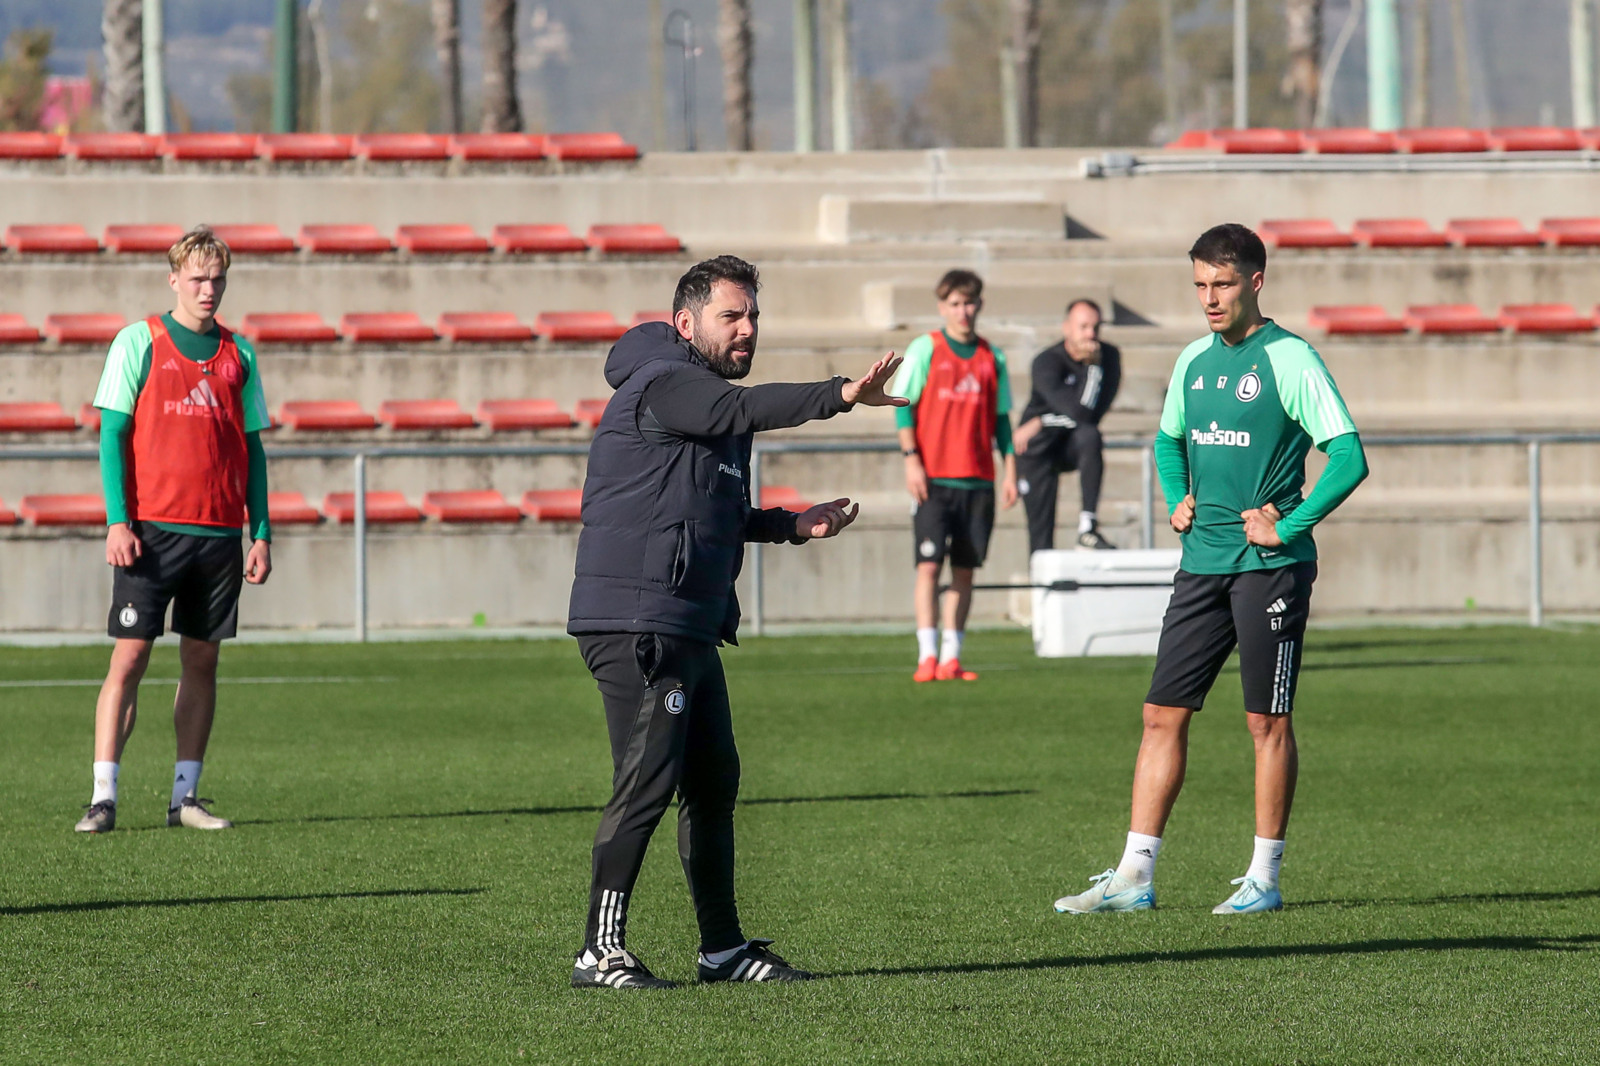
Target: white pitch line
x: 96, y: 682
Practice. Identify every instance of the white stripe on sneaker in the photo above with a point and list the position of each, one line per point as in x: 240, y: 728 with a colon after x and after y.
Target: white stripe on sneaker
x: 761, y: 974
x: 744, y: 964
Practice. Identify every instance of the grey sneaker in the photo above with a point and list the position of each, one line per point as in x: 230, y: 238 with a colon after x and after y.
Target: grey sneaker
x: 99, y: 818
x: 1093, y: 541
x: 191, y: 814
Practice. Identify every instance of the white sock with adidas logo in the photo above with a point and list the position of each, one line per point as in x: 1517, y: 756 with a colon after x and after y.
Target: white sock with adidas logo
x: 1139, y: 859
x: 185, y: 780
x: 1265, y: 862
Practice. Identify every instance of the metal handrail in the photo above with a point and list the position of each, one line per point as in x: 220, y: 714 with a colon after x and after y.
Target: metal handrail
x: 361, y: 453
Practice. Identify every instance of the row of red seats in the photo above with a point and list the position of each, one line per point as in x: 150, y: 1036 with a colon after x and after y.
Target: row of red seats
x: 1454, y: 318
x: 499, y: 416
x: 1415, y: 233
x: 384, y: 327
x: 307, y: 147
x: 1376, y: 142
x: 351, y: 239
x: 383, y: 508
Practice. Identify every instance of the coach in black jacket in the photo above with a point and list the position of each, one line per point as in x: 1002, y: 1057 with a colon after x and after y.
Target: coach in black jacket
x: 666, y: 514
x: 1074, y: 382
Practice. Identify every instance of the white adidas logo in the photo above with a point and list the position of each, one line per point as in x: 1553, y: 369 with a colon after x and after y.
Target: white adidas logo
x: 201, y: 401
x: 202, y: 396
x: 1278, y: 606
x: 170, y: 364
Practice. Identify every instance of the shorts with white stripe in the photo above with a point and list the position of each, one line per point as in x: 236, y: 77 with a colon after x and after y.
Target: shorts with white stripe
x: 1262, y: 612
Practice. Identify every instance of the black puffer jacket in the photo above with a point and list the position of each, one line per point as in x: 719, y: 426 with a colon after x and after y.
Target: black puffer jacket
x: 666, y: 502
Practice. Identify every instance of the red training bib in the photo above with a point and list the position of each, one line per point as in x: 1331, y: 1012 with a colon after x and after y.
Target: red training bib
x: 956, y: 413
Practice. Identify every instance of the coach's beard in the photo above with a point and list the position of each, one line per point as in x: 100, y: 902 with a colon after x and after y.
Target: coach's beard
x: 721, y: 360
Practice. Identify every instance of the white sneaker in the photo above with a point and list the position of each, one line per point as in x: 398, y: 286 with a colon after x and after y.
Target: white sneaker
x: 192, y: 815
x: 1252, y: 897
x: 1110, y: 892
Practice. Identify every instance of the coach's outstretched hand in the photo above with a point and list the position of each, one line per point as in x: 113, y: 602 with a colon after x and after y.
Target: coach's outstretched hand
x: 869, y: 389
x: 122, y: 545
x: 825, y: 519
x: 258, y: 564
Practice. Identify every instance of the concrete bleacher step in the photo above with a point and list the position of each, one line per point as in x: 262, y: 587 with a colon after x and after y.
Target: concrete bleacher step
x: 853, y: 219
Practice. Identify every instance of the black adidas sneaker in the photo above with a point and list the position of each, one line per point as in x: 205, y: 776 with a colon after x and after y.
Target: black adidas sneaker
x: 756, y: 961
x: 618, y: 969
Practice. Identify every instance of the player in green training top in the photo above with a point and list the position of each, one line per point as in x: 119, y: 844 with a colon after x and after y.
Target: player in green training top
x: 1244, y: 407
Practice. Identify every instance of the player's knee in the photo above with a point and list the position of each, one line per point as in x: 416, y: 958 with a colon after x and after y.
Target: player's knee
x: 199, y: 657
x: 1159, y: 719
x: 1270, y: 729
x: 129, y: 659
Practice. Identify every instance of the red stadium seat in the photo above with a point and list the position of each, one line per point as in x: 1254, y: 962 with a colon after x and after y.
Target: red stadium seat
x: 209, y: 146
x: 30, y: 145
x: 57, y: 240
x: 1258, y: 142
x: 462, y: 326
x: 1535, y: 139
x: 89, y: 417
x: 648, y: 238
x: 1192, y: 139
x: 291, y: 509
x: 289, y: 327
x: 1450, y: 318
x: 14, y: 329
x: 303, y: 147
x: 439, y: 239
x: 553, y: 505
x: 589, y: 412
x: 336, y: 415
x: 353, y: 239
x: 537, y: 239
x: 1545, y: 318
x: 83, y: 329
x: 478, y: 505
x: 1348, y: 142
x: 35, y: 418
x: 1355, y: 318
x: 64, y: 509
x: 641, y: 317
x: 1304, y: 233
x: 402, y: 147
x: 1490, y: 233
x: 1443, y: 139
x: 382, y: 507
x: 1397, y: 233
x: 386, y: 327
x: 588, y: 146
x: 255, y: 239
x: 424, y: 414
x: 1570, y: 232
x: 785, y: 496
x: 578, y: 326
x: 504, y: 415
x: 8, y: 517
x: 147, y: 239
x: 112, y: 146
x: 489, y: 147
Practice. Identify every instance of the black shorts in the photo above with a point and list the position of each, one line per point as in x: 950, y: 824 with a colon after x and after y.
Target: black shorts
x: 200, y: 576
x: 954, y: 521
x: 1263, y: 612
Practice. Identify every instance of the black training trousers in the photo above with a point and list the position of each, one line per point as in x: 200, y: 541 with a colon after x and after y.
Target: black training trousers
x: 666, y: 703
x: 1053, y: 451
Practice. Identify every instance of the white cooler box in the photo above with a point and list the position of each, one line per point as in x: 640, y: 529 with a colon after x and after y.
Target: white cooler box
x: 1124, y: 619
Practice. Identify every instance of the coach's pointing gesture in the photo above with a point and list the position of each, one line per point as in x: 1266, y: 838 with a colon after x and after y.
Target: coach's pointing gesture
x: 869, y: 388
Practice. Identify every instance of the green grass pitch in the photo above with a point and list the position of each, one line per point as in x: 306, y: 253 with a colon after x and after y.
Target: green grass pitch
x: 407, y: 880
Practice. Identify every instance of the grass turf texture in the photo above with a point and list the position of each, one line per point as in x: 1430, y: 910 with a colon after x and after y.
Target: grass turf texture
x: 407, y: 879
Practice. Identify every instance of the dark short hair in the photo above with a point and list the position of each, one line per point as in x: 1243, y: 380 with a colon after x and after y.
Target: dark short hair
x: 1230, y: 244
x: 694, y: 288
x: 1083, y: 301
x: 965, y: 282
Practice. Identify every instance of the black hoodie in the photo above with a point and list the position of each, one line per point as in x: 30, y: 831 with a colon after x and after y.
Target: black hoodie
x: 666, y: 501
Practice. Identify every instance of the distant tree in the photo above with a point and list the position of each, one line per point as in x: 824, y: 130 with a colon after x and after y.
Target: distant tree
x: 447, y: 46
x: 734, y: 41
x: 385, y: 85
x: 23, y: 70
x: 122, y: 99
x: 502, y: 112
x: 1302, y: 21
x: 250, y: 92
x: 1024, y: 57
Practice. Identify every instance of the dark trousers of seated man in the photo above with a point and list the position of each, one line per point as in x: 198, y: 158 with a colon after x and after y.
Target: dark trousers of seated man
x: 671, y: 729
x: 1055, y: 450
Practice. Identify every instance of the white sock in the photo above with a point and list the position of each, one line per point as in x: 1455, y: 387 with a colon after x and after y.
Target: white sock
x: 950, y: 645
x: 1139, y: 858
x: 717, y: 958
x: 927, y: 643
x: 185, y: 780
x: 1264, y: 866
x: 105, y: 782
x: 1086, y: 521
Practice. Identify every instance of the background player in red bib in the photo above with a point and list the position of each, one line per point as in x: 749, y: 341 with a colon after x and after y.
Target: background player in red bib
x: 182, y: 412
x: 960, y: 413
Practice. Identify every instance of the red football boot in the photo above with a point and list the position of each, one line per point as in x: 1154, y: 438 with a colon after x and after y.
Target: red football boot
x: 927, y: 670
x: 950, y: 670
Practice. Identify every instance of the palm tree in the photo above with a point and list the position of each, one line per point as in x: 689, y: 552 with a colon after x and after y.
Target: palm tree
x: 1301, y: 83
x: 734, y: 39
x: 501, y: 111
x: 1024, y: 56
x: 122, y: 28
x: 447, y: 43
